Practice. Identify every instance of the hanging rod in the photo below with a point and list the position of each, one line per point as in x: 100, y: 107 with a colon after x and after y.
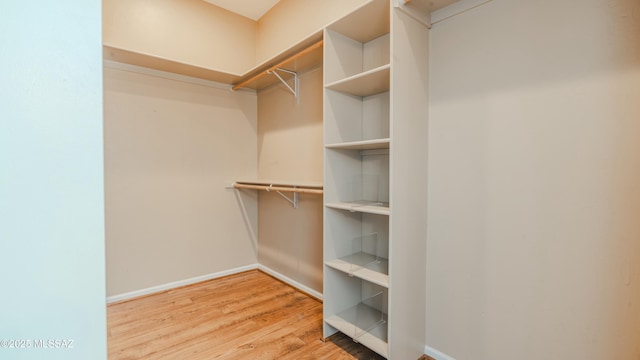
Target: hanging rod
x: 293, y: 189
x: 278, y: 65
x: 278, y: 189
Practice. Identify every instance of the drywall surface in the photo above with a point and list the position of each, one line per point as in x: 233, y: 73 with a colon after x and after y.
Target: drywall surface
x: 171, y: 148
x: 290, y: 148
x: 534, y: 189
x: 290, y: 132
x: 290, y: 21
x: 197, y: 33
x: 51, y: 182
x: 186, y: 31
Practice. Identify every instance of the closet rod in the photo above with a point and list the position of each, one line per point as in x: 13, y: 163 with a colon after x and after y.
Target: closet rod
x: 278, y: 188
x: 278, y: 65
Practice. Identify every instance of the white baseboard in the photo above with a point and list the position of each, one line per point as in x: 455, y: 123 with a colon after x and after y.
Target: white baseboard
x: 197, y: 279
x: 291, y: 282
x: 175, y: 284
x: 436, y: 354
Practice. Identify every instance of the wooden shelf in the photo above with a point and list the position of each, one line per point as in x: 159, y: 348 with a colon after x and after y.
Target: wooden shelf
x: 374, y: 81
x: 359, y: 207
x: 361, y: 145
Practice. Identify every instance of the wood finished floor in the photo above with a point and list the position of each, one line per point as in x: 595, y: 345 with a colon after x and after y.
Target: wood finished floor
x: 244, y: 316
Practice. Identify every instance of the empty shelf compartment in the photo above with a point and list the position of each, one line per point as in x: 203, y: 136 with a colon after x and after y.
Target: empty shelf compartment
x: 366, y: 259
x: 365, y: 322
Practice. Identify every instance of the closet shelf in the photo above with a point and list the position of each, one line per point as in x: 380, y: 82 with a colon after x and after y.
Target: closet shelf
x: 374, y: 81
x: 374, y: 271
x: 366, y: 23
x: 375, y: 338
x: 361, y: 145
x: 303, y: 56
x: 370, y: 208
x: 300, y: 57
x: 132, y: 57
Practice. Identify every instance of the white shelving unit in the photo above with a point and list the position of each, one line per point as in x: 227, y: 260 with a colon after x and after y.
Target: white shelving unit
x: 375, y: 129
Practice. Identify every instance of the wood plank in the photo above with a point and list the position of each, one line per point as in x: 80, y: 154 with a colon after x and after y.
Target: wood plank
x: 243, y: 316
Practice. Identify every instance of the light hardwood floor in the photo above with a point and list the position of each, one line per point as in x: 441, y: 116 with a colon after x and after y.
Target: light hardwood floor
x: 244, y: 316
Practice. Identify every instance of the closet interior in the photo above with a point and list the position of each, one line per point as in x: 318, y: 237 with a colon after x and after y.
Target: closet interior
x: 339, y: 189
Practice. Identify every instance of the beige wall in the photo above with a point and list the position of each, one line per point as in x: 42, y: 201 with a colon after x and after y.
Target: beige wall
x: 290, y: 132
x: 194, y: 32
x: 186, y: 31
x: 290, y: 148
x: 197, y: 33
x: 171, y: 147
x: 290, y: 21
x: 534, y: 192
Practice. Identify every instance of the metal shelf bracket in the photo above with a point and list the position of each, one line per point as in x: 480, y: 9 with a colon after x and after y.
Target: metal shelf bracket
x: 295, y: 90
x: 294, y: 201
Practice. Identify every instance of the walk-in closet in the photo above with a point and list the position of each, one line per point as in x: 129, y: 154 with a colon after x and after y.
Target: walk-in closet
x: 335, y: 179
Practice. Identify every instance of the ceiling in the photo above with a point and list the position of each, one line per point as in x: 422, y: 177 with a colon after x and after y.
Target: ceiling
x: 253, y: 9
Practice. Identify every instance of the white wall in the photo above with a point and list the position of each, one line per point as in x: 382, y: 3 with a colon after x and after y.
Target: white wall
x: 534, y: 190
x: 51, y: 180
x: 171, y: 148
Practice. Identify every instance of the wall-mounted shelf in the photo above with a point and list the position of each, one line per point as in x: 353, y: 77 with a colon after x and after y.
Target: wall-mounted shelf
x: 287, y: 68
x: 157, y: 63
x: 303, y: 56
x: 300, y: 57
